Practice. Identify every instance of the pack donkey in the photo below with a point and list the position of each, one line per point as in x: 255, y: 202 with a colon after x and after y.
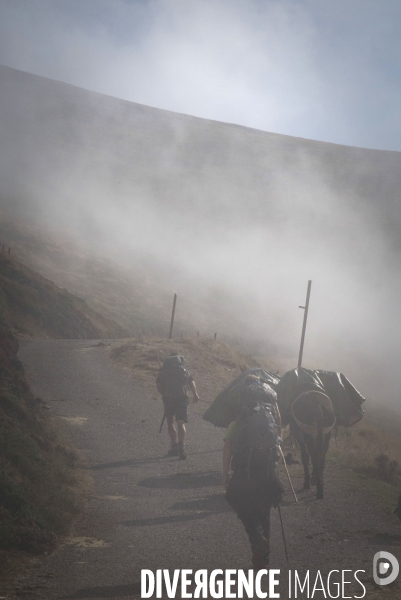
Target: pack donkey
x: 313, y: 402
x: 306, y: 406
x: 311, y: 422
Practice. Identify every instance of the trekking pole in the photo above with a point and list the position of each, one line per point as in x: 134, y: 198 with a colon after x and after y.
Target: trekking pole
x: 288, y: 475
x: 282, y: 531
x: 282, y: 454
x: 162, y: 423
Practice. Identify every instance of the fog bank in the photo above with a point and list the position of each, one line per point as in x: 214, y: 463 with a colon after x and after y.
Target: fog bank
x: 241, y: 218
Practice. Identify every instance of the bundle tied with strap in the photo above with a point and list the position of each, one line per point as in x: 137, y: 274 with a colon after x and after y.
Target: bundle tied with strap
x: 345, y: 399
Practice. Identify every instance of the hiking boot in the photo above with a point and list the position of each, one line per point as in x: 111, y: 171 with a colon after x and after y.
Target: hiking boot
x: 260, y: 556
x: 173, y: 450
x: 182, y: 455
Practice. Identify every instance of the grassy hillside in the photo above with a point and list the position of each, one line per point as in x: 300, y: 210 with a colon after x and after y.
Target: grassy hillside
x: 169, y: 158
x: 38, y: 477
x: 132, y: 296
x: 34, y: 306
x: 137, y: 295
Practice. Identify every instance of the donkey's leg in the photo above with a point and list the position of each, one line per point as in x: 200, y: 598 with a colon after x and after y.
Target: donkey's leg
x: 315, y: 465
x: 317, y: 474
x: 325, y: 448
x: 321, y: 459
x: 305, y: 461
x: 317, y: 448
x: 299, y: 437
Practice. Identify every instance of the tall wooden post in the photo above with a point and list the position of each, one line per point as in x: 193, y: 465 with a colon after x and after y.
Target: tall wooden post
x: 306, y: 307
x: 172, y: 318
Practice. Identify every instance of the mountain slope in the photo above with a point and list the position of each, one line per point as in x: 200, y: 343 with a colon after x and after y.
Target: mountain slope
x: 138, y: 295
x: 236, y: 221
x: 33, y: 305
x: 53, y: 129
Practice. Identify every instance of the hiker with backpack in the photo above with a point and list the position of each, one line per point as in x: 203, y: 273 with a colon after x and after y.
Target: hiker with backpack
x: 174, y: 382
x: 251, y: 450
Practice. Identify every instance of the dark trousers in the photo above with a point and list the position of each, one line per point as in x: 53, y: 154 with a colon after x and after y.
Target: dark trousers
x: 252, y: 500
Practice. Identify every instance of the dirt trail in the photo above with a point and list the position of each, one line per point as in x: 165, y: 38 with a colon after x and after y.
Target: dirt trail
x: 151, y: 512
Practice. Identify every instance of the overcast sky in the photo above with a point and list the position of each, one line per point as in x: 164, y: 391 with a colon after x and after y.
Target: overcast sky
x: 321, y: 69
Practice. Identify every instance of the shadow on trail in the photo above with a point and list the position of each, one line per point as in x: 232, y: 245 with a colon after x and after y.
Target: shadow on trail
x: 131, y: 462
x: 125, y: 463
x: 165, y: 520
x: 113, y: 591
x: 304, y: 496
x: 215, y: 503
x: 180, y: 481
x: 201, y: 507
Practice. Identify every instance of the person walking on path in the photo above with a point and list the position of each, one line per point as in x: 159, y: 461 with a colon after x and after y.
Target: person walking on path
x: 251, y: 450
x: 174, y: 382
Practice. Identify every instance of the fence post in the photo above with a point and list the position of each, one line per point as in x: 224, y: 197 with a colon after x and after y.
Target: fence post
x: 172, y: 318
x: 306, y: 308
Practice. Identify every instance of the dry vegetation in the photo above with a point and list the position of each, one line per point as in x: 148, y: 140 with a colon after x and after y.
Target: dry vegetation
x: 134, y: 295
x: 369, y: 449
x: 40, y: 485
x: 213, y: 364
x: 33, y: 306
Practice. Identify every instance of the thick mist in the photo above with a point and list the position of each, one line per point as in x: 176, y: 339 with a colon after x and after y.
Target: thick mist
x: 319, y: 69
x: 236, y: 218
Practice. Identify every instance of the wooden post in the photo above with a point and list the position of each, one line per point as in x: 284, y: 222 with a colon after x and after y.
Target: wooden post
x: 215, y: 336
x: 172, y: 317
x: 306, y: 307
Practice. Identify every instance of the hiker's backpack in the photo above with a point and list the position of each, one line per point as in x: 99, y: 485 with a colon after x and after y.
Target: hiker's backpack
x: 174, y: 378
x: 256, y: 441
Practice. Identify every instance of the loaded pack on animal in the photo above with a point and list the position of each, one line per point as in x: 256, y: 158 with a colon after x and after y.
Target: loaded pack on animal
x: 313, y: 403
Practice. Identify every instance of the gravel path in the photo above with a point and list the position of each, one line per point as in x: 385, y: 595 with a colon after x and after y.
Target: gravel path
x: 148, y: 511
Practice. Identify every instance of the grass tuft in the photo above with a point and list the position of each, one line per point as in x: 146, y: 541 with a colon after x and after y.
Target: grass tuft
x: 370, y: 450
